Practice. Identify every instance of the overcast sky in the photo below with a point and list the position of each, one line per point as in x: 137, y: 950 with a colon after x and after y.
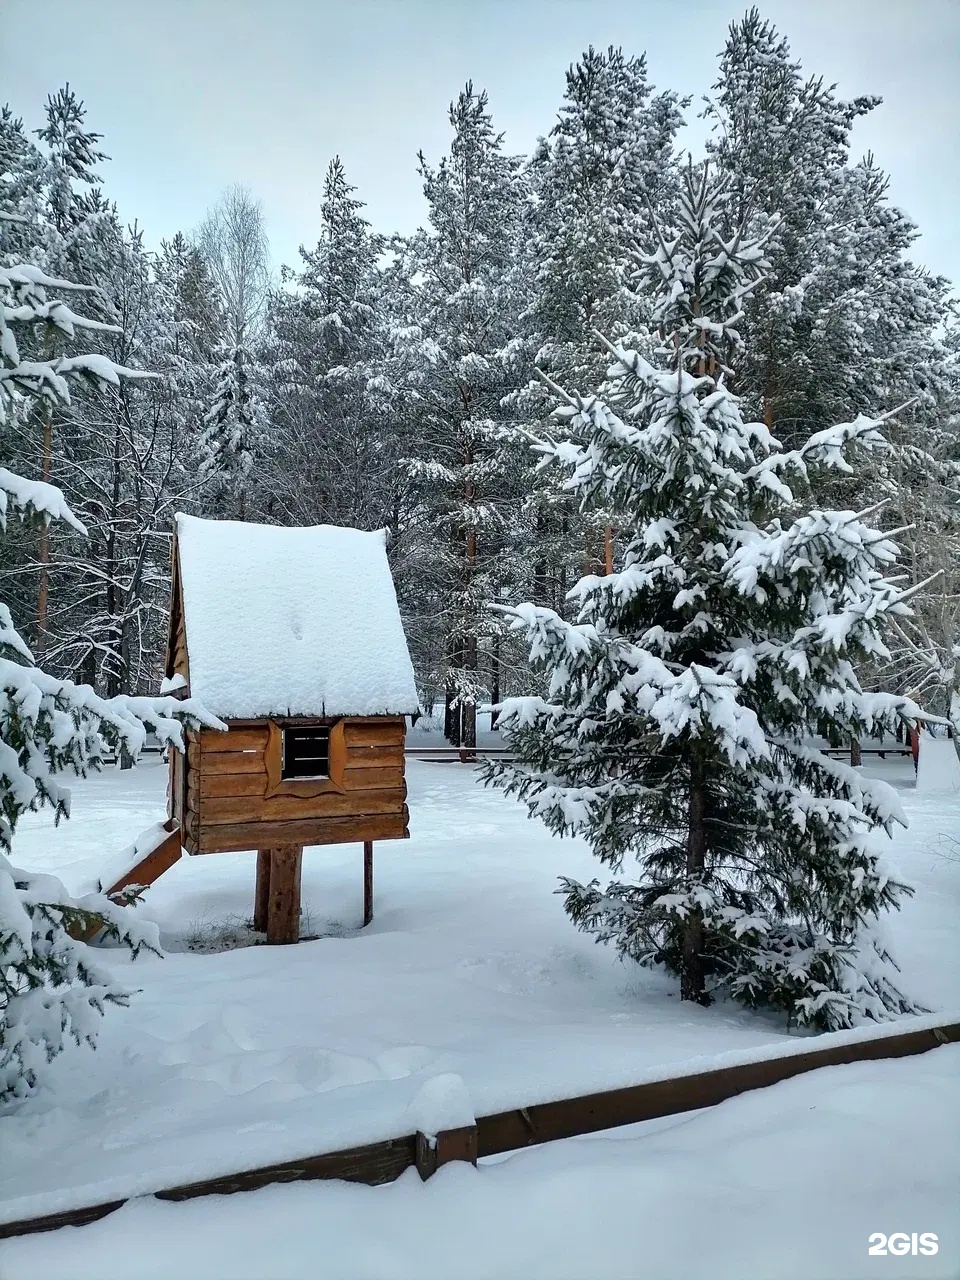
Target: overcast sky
x: 193, y: 95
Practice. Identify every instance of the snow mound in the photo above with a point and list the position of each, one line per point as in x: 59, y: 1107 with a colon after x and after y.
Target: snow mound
x: 442, y: 1102
x: 938, y: 767
x: 292, y: 621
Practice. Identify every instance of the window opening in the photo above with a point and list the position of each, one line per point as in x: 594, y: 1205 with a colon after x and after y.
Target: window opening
x: 306, y: 752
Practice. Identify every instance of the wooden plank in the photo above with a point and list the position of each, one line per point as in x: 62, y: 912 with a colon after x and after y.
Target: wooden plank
x: 374, y: 1165
x: 151, y: 867
x: 67, y: 1218
x: 385, y: 733
x: 215, y: 742
x: 547, y: 1122
x: 236, y: 837
x: 361, y: 757
x: 217, y: 810
x: 283, y: 901
x: 261, y: 895
x: 254, y: 784
x: 230, y: 762
x: 227, y: 784
x: 383, y: 778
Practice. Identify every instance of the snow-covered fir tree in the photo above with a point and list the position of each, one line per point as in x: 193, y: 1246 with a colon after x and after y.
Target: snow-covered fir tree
x: 232, y: 428
x: 459, y: 353
x: 847, y: 321
x: 606, y: 162
x: 234, y: 245
x: 52, y: 987
x: 333, y: 459
x: 72, y: 155
x: 678, y: 708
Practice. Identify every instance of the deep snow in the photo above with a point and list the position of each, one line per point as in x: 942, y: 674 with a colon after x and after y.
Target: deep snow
x: 230, y: 1059
x: 786, y: 1183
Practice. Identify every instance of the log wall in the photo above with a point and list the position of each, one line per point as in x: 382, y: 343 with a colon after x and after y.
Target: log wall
x: 226, y: 807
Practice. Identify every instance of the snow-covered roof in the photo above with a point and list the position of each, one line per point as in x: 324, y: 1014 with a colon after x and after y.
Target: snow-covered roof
x: 291, y: 621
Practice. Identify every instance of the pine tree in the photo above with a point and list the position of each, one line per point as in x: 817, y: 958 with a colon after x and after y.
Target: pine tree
x: 51, y: 985
x: 334, y: 456
x: 846, y: 321
x: 460, y: 353
x: 677, y: 709
x: 72, y: 157
x: 608, y: 160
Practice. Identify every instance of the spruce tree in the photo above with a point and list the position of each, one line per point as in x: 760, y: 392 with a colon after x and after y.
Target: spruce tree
x: 232, y: 428
x: 677, y: 710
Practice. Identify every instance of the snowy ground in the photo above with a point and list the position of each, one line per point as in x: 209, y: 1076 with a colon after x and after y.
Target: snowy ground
x: 786, y: 1183
x: 261, y: 1054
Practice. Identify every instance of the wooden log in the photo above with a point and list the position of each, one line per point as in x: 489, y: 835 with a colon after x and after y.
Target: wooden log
x: 373, y: 733
x: 216, y: 742
x: 211, y: 785
x: 220, y: 785
x: 261, y: 897
x: 283, y: 903
x: 227, y: 762
x: 436, y: 1150
x: 376, y: 779
x: 283, y: 808
x: 361, y: 757
x: 367, y: 882
x: 235, y: 837
x: 591, y: 1113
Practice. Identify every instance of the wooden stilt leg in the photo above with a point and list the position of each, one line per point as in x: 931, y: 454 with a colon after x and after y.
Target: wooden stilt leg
x: 262, y: 894
x: 367, y: 882
x: 283, y: 907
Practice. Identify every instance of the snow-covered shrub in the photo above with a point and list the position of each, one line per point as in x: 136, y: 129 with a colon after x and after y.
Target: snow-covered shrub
x: 678, y: 710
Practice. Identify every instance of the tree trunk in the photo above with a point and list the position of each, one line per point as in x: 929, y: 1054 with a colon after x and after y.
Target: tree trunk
x: 495, y: 680
x: 856, y: 758
x: 43, y: 550
x: 540, y: 595
x: 468, y: 709
x: 692, y: 980
x: 608, y: 549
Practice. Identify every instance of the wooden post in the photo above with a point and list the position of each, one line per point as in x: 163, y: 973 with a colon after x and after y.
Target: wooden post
x: 367, y: 882
x: 261, y: 896
x: 608, y: 549
x: 856, y: 757
x: 283, y: 904
x: 436, y: 1150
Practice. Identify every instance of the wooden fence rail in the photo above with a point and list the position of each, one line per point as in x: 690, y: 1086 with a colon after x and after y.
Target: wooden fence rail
x: 520, y: 1127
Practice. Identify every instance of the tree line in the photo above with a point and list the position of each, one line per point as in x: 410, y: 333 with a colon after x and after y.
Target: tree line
x: 391, y: 381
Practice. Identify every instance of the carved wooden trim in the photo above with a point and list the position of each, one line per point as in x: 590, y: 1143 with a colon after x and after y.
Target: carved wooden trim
x: 304, y: 788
